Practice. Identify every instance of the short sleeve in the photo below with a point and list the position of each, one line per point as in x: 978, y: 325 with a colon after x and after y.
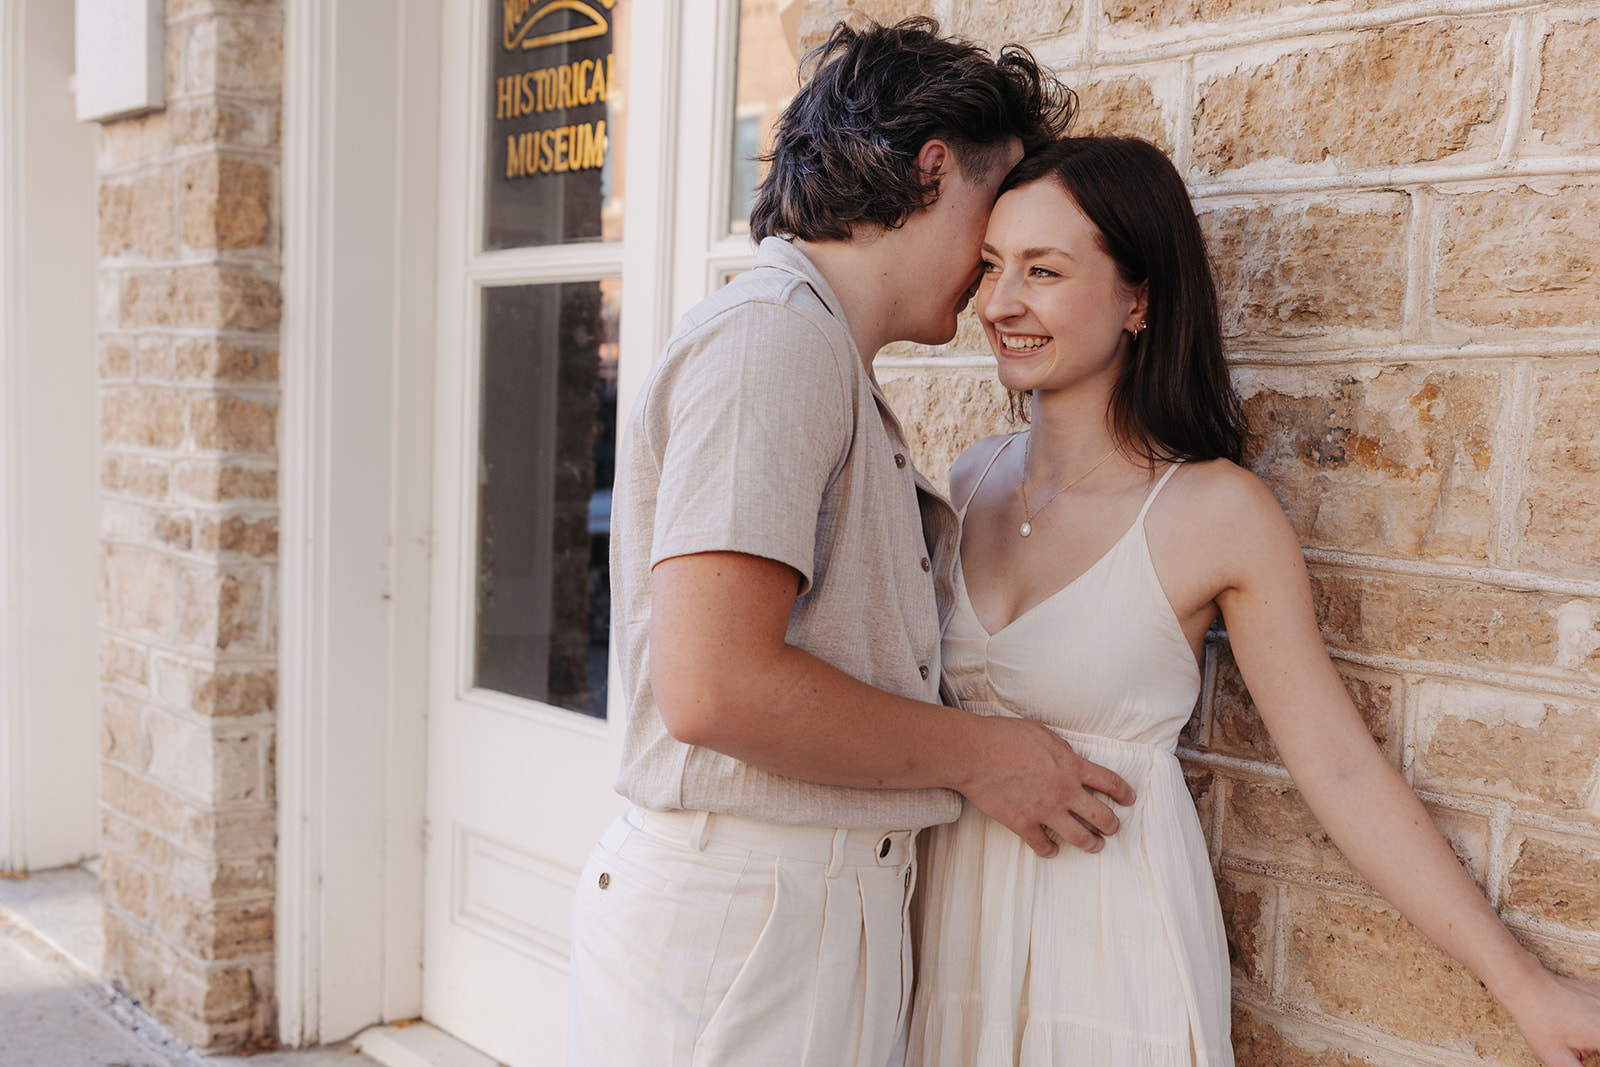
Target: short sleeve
x: 749, y: 421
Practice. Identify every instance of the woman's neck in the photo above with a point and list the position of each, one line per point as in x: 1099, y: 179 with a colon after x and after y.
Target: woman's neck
x: 1068, y: 432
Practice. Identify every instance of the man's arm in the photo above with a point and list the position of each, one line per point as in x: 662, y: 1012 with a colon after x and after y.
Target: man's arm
x: 725, y: 679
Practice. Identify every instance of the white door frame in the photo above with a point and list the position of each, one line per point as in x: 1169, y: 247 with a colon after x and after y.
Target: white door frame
x: 361, y: 93
x: 49, y: 706
x: 362, y: 96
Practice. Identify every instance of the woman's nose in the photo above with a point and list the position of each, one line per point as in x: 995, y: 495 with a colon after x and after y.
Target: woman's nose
x: 998, y: 296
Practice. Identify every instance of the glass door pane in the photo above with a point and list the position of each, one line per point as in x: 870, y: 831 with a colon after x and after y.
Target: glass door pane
x: 547, y: 445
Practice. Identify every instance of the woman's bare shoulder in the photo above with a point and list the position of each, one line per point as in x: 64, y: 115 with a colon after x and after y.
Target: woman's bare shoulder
x: 1230, y: 517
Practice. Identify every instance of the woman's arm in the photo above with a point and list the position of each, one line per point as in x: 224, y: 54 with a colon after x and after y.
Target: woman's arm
x: 1359, y: 797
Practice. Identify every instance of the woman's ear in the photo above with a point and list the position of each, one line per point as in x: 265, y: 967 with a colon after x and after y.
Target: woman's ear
x: 1138, y: 315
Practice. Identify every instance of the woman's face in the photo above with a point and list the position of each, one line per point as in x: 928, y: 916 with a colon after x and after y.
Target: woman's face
x: 1051, y: 300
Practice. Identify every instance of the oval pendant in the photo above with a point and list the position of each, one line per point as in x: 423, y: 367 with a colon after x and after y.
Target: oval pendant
x: 1025, y: 529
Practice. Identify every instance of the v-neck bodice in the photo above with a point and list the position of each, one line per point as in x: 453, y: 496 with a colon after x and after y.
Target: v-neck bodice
x: 1103, y: 655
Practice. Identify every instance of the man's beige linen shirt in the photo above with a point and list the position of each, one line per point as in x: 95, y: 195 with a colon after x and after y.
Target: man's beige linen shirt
x: 760, y: 431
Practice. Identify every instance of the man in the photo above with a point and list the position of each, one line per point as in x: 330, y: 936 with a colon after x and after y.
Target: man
x: 780, y: 569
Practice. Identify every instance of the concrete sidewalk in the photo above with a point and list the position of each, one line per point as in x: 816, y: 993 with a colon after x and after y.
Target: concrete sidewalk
x: 55, y: 1012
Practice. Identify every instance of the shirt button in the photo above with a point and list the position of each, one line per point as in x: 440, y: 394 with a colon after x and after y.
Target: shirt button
x: 899, y: 459
x: 923, y: 670
x: 605, y: 880
x: 926, y: 566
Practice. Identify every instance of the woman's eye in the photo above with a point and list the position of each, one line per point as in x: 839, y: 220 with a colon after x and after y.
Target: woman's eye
x: 987, y: 267
x: 1043, y: 272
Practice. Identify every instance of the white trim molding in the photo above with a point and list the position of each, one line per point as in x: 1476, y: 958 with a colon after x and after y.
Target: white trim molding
x: 359, y: 171
x: 12, y: 855
x: 49, y: 714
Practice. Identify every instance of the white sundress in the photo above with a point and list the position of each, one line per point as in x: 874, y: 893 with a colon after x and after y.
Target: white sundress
x: 1116, y: 959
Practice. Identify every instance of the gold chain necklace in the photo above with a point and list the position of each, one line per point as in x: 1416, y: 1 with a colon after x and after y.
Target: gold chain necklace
x: 1028, y: 513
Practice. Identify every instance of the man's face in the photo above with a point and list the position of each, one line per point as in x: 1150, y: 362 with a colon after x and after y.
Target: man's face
x: 952, y: 234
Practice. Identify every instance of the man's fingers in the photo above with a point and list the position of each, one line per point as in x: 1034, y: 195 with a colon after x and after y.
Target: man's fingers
x: 1102, y: 780
x: 1078, y: 833
x: 1097, y: 816
x: 1034, y: 837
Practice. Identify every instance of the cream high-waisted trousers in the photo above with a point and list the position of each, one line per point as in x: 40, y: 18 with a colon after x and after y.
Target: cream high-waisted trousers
x: 710, y: 940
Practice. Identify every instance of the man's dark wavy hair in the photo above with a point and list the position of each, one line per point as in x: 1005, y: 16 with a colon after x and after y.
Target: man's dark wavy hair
x: 1174, y: 399
x: 846, y: 148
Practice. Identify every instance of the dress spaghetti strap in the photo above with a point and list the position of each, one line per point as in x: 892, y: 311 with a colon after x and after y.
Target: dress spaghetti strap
x: 985, y: 474
x: 1150, y: 498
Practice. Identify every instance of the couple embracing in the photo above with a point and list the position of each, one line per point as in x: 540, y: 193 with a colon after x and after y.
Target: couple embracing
x: 793, y: 599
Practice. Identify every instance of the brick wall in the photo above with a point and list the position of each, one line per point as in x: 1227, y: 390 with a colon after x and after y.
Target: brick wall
x: 1403, y: 209
x: 188, y: 317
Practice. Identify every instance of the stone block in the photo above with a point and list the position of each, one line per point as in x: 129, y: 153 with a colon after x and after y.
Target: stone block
x: 1127, y: 106
x: 178, y: 821
x: 137, y: 590
x: 136, y: 216
x: 223, y: 423
x: 1291, y: 269
x: 126, y: 885
x: 152, y: 359
x: 999, y: 22
x: 231, y: 123
x: 183, y: 757
x: 248, y: 54
x: 1566, y: 111
x: 122, y: 734
x: 210, y: 296
x: 116, y: 358
x: 1448, y: 621
x: 235, y: 533
x: 218, y: 609
x: 137, y: 476
x: 1426, y: 90
x: 1277, y: 1041
x: 217, y: 361
x: 142, y: 415
x: 944, y: 413
x: 138, y: 522
x: 1358, y: 961
x: 227, y: 694
x: 124, y: 664
x: 818, y: 16
x: 121, y: 835
x: 1237, y: 729
x: 219, y: 481
x: 1202, y: 785
x: 248, y: 835
x: 174, y: 681
x: 145, y: 299
x: 1249, y: 915
x: 1526, y: 748
x: 1390, y: 461
x: 227, y: 203
x: 210, y: 931
x: 1121, y: 15
x: 128, y: 142
x: 1511, y: 259
x: 1555, y: 879
x: 239, y: 763
x: 1268, y: 824
x: 1559, y: 513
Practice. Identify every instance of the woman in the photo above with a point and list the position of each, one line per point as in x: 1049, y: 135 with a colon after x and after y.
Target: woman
x: 1097, y: 548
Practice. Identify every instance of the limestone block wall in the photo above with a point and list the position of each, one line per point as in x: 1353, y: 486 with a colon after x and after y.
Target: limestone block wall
x: 188, y: 318
x: 1402, y: 202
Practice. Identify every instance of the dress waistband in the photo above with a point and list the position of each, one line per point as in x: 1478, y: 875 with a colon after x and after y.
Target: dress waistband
x: 1075, y: 737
